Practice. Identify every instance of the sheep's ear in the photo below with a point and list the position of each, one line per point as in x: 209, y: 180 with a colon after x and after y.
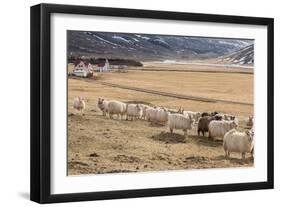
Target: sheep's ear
x: 248, y: 132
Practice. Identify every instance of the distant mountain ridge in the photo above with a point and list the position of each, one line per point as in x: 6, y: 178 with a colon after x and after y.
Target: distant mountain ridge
x: 244, y: 56
x: 149, y: 47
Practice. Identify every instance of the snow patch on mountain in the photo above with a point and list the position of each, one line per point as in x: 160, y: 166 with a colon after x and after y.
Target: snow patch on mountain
x: 121, y: 38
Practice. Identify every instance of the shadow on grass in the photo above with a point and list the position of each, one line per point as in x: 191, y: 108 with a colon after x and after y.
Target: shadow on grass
x: 200, y: 140
x: 169, y: 138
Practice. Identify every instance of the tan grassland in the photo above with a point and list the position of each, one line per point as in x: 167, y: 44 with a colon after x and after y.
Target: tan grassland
x: 97, y: 144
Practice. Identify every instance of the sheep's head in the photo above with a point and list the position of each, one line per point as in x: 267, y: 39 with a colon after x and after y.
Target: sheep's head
x: 100, y: 100
x: 139, y: 108
x: 80, y: 98
x: 232, y: 117
x: 250, y: 135
x: 181, y: 110
x: 165, y: 109
x: 214, y: 113
x: 234, y: 124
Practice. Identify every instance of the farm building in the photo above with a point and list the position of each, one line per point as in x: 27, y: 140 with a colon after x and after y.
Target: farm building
x: 104, y: 67
x: 82, y: 68
x: 83, y: 65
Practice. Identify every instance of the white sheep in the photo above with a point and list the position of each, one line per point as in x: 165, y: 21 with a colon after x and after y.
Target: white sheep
x: 134, y: 111
x: 179, y: 121
x: 194, y: 115
x: 103, y: 105
x: 118, y: 108
x: 219, y: 128
x: 162, y: 115
x: 151, y: 114
x: 241, y: 142
x: 144, y: 108
x: 79, y: 104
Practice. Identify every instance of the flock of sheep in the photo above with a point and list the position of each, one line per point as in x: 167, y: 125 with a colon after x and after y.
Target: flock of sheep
x: 216, y: 124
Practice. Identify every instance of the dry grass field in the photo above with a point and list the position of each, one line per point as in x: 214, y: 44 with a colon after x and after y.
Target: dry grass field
x: 97, y: 144
x: 198, y: 65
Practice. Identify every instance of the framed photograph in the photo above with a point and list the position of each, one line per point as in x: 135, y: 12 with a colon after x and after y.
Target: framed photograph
x: 133, y: 103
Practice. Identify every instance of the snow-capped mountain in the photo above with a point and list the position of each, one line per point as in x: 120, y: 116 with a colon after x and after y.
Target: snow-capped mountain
x: 241, y: 57
x: 149, y: 47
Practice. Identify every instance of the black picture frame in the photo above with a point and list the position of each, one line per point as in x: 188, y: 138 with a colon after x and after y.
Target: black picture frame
x: 41, y: 98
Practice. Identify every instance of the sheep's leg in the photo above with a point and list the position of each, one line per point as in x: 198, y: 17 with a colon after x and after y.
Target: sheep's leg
x: 185, y: 132
x: 198, y: 132
x: 227, y: 154
x: 243, y: 156
x: 80, y: 112
x: 210, y: 136
x: 171, y: 130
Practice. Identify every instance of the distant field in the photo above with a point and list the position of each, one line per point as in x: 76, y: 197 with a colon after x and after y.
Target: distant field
x: 97, y: 144
x: 223, y: 86
x: 197, y: 66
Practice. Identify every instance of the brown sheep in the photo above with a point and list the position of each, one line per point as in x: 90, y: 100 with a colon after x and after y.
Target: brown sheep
x: 209, y: 114
x: 203, y: 124
x: 205, y: 114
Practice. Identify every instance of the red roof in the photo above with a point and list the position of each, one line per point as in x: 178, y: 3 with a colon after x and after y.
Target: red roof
x: 86, y: 62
